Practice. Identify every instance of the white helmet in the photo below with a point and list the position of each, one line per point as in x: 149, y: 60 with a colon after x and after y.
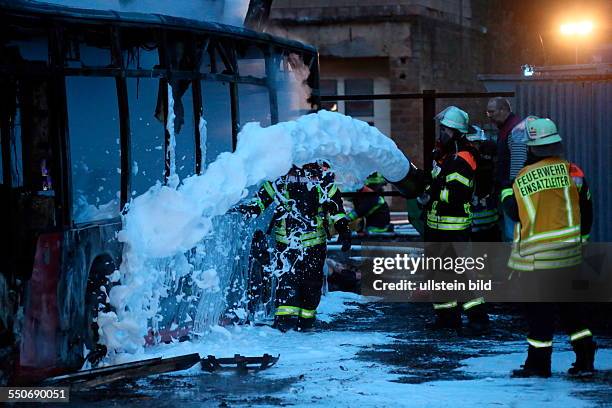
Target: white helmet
x: 542, y: 132
x: 455, y: 118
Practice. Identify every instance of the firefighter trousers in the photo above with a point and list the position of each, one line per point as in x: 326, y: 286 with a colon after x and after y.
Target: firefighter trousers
x: 300, y: 280
x: 540, y: 289
x: 447, y: 308
x: 541, y: 320
x: 492, y: 234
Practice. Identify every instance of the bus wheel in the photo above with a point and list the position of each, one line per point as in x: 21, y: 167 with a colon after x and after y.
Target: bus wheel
x: 96, y: 301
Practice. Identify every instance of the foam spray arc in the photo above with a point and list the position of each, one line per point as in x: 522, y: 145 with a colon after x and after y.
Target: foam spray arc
x: 166, y: 222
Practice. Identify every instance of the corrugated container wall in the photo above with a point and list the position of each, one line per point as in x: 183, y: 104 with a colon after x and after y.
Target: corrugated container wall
x: 582, y: 112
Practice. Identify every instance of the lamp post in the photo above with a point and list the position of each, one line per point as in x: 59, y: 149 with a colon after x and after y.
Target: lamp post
x: 577, y: 30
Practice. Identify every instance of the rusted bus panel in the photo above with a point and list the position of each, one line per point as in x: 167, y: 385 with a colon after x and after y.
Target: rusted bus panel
x: 581, y: 109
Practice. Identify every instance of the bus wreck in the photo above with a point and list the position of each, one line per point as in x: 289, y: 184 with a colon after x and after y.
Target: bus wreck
x: 85, y: 127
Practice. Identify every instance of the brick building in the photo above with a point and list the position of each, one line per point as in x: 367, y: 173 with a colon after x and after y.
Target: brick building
x: 400, y: 46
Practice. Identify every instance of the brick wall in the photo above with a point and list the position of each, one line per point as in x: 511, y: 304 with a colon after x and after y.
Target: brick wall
x: 435, y: 44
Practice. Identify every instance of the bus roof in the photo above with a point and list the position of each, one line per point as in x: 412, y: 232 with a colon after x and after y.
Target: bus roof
x: 92, y: 16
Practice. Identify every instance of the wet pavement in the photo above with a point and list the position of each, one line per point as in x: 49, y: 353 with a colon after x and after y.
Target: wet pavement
x: 413, y: 354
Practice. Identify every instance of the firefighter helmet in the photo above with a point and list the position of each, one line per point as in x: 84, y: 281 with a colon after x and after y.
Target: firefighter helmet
x: 541, y: 132
x: 455, y: 118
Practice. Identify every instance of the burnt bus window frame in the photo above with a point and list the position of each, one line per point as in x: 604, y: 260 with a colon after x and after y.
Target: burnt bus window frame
x: 220, y: 46
x: 76, y: 40
x: 47, y: 71
x: 110, y: 171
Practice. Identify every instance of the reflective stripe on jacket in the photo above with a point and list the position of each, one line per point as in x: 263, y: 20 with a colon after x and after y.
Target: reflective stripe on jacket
x: 451, y: 190
x: 299, y: 216
x: 485, y: 213
x: 548, y: 234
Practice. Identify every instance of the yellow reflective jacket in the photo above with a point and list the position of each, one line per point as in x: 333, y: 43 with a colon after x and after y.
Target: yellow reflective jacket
x: 548, y: 234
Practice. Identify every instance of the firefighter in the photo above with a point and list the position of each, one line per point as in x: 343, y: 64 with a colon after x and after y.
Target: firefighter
x: 448, y: 206
x: 485, y: 216
x: 259, y: 281
x: 373, y: 208
x: 551, y: 202
x: 305, y: 198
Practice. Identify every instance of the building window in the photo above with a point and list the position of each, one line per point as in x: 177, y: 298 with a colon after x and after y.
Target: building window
x: 359, y: 87
x: 329, y: 87
x: 93, y: 126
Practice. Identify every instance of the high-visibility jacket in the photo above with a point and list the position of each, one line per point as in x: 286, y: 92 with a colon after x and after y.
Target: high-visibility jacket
x: 304, y: 204
x: 451, y: 190
x: 485, y: 214
x: 373, y: 208
x: 548, y: 197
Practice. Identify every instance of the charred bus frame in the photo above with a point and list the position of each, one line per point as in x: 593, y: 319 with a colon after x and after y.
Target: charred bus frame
x: 53, y: 265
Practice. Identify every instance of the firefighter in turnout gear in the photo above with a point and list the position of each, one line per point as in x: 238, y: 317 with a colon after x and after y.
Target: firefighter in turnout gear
x: 551, y: 202
x: 485, y: 214
x: 373, y: 208
x: 448, y: 206
x: 305, y: 199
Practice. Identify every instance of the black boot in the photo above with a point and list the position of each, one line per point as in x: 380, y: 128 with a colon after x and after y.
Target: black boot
x: 305, y: 324
x: 447, y: 319
x: 285, y: 323
x: 537, y: 363
x: 585, y: 358
x: 478, y: 319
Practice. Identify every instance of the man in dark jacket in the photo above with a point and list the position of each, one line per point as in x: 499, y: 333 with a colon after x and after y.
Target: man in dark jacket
x: 305, y: 199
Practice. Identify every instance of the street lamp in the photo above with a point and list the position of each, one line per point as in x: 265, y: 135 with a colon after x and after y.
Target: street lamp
x: 577, y: 30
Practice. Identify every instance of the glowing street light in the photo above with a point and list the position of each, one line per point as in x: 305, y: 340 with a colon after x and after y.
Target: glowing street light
x: 581, y: 28
x: 577, y: 30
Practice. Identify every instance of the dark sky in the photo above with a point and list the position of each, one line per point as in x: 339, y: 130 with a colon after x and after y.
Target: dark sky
x: 532, y: 29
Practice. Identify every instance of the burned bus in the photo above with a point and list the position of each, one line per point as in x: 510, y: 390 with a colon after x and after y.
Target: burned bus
x: 84, y: 128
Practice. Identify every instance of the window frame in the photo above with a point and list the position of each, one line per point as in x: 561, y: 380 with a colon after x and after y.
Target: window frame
x: 347, y: 104
x: 222, y: 45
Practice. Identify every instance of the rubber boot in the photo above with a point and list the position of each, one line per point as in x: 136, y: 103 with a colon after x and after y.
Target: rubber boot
x: 585, y: 358
x: 447, y: 319
x: 537, y: 363
x: 305, y: 324
x: 478, y: 319
x: 285, y: 323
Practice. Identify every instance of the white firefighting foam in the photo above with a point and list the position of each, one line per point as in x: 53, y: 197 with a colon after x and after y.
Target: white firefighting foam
x: 163, y: 223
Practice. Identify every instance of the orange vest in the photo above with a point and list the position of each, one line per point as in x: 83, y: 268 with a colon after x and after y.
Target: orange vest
x: 548, y: 234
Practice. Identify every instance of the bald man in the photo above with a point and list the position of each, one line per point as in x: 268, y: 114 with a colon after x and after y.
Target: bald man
x: 511, y: 148
x: 511, y: 151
